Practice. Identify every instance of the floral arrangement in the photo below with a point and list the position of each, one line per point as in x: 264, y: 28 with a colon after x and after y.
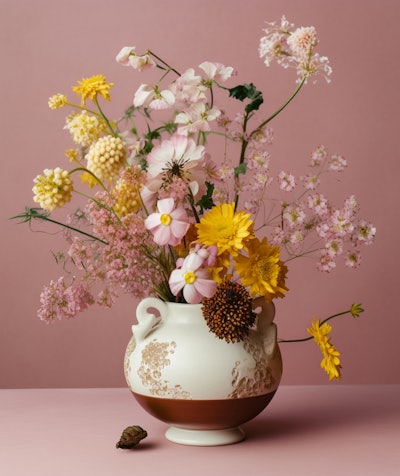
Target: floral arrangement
x: 165, y: 217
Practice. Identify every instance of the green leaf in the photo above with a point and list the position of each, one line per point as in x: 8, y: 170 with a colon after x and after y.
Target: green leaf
x: 240, y: 169
x: 247, y: 91
x: 206, y: 201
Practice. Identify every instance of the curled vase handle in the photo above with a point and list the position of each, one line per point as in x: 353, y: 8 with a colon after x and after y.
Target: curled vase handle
x: 147, y: 321
x: 265, y: 325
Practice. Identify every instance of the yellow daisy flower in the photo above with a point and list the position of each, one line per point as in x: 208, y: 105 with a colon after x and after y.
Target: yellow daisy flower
x: 330, y: 362
x: 225, y: 228
x: 91, y: 87
x: 262, y: 270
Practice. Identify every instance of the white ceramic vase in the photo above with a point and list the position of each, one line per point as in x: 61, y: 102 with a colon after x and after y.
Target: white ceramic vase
x: 202, y: 386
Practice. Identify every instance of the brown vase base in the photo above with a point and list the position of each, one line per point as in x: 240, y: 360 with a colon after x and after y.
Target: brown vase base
x: 204, y: 414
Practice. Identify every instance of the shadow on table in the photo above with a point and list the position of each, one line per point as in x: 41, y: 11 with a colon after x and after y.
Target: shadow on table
x: 294, y: 418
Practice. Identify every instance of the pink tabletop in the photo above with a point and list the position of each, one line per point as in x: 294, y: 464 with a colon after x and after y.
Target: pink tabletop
x: 306, y: 430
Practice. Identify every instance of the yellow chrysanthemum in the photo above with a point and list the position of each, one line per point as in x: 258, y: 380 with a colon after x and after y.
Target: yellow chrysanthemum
x: 106, y: 157
x: 57, y: 100
x: 85, y: 128
x: 330, y: 362
x: 53, y: 189
x: 262, y: 270
x: 225, y: 228
x: 91, y: 87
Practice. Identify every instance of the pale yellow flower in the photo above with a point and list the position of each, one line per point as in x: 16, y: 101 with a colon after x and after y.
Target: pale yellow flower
x: 262, y: 270
x: 53, y: 189
x: 85, y: 128
x: 57, y: 100
x: 330, y: 362
x: 91, y: 87
x: 106, y: 157
x: 127, y: 191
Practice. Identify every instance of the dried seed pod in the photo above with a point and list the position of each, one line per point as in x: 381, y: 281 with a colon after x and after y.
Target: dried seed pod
x: 131, y: 437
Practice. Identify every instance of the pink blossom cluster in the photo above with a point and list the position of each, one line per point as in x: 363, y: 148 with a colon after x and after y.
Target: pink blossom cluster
x: 293, y: 47
x: 59, y: 300
x: 311, y: 224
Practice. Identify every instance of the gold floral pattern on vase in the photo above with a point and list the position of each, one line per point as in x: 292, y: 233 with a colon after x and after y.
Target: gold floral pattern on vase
x: 154, y: 360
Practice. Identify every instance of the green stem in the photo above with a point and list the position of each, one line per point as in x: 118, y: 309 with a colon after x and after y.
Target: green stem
x: 170, y: 68
x: 322, y: 322
x: 113, y: 133
x: 33, y: 214
x: 279, y: 110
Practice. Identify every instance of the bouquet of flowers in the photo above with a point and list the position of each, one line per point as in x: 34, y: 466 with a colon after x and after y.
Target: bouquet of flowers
x: 165, y: 217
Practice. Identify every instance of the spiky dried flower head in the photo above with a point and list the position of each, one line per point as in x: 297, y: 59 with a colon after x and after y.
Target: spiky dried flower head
x: 106, y: 157
x: 53, y: 189
x: 229, y: 313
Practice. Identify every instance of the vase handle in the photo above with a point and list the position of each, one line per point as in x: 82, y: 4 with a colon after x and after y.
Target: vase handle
x: 265, y: 325
x: 147, y: 321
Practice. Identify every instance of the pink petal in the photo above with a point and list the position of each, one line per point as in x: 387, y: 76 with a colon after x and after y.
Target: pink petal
x: 206, y: 287
x: 162, y: 235
x: 176, y: 281
x: 152, y: 221
x: 191, y: 295
x: 166, y: 205
x: 179, y: 228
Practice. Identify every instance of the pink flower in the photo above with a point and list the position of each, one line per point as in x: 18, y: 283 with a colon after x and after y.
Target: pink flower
x: 128, y: 57
x: 169, y: 225
x: 286, y: 181
x: 337, y: 163
x: 196, y: 119
x: 177, y: 156
x: 192, y: 279
x: 217, y: 71
x: 151, y: 97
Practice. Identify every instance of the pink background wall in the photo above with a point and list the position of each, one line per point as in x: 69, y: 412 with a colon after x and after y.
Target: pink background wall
x: 48, y: 45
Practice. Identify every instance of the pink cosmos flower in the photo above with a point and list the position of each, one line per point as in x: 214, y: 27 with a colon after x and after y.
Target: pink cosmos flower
x: 192, y: 279
x: 177, y: 156
x: 169, y: 225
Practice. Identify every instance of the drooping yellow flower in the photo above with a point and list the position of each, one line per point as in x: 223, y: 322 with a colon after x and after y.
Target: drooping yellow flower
x: 330, y: 362
x: 223, y: 227
x: 91, y: 87
x: 85, y: 128
x: 106, y: 157
x: 57, y: 100
x: 53, y: 189
x: 262, y: 270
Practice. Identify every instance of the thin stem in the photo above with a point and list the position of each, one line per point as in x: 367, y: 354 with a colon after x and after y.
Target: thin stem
x: 31, y: 214
x: 279, y: 110
x: 170, y: 68
x: 104, y: 117
x: 322, y: 322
